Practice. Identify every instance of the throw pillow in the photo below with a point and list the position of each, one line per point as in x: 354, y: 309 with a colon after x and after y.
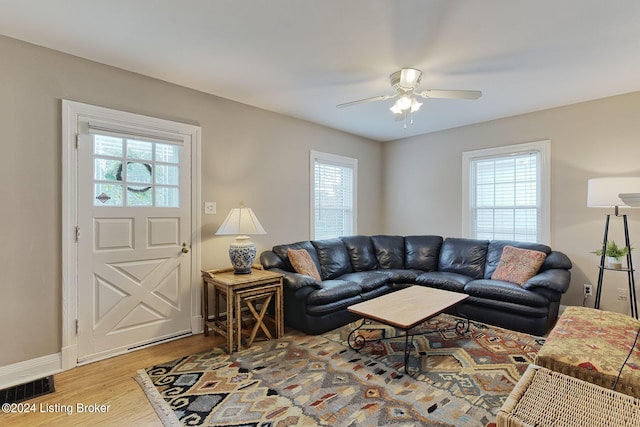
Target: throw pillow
x: 302, y: 263
x: 518, y: 265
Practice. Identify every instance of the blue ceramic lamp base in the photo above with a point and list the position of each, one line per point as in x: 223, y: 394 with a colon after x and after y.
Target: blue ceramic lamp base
x: 242, y: 254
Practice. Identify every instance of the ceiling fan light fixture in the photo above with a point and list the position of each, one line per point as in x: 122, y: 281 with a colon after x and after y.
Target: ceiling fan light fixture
x: 410, y: 77
x: 404, y: 103
x: 395, y: 108
x: 405, y: 82
x: 415, y: 105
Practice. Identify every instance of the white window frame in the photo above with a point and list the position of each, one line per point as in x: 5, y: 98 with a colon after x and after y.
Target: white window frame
x: 334, y: 159
x: 543, y: 148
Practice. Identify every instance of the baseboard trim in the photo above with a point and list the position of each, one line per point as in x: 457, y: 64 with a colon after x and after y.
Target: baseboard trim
x: 197, y: 324
x: 29, y: 370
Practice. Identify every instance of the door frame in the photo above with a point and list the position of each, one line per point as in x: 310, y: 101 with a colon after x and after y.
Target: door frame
x: 72, y: 112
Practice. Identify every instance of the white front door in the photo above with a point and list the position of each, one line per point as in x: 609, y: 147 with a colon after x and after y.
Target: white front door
x: 134, y: 212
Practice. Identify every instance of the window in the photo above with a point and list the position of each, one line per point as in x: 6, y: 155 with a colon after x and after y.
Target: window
x: 333, y: 195
x: 151, y: 176
x: 506, y: 193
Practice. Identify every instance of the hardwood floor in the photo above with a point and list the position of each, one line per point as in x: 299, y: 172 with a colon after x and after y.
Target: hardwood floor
x: 110, y: 383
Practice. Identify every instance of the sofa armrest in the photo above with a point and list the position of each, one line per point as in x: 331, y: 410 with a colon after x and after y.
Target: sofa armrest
x: 555, y: 279
x: 297, y: 281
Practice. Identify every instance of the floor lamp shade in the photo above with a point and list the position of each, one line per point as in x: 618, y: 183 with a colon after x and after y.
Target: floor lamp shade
x: 631, y: 199
x: 241, y: 222
x: 605, y: 192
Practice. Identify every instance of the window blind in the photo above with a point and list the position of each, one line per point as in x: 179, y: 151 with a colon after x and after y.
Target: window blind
x: 505, y: 199
x: 333, y: 199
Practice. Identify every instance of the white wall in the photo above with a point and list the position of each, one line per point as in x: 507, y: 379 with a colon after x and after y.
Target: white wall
x: 248, y: 155
x: 423, y: 185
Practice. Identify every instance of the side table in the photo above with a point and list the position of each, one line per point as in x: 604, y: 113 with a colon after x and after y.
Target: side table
x: 259, y: 286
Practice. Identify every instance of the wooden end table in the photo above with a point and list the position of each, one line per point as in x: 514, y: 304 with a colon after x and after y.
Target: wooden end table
x: 259, y: 286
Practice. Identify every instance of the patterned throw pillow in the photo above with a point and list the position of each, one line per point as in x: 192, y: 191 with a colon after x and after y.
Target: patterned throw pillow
x: 302, y: 263
x: 518, y: 265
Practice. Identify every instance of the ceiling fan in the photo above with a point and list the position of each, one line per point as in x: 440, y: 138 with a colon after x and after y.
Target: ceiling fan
x: 405, y: 82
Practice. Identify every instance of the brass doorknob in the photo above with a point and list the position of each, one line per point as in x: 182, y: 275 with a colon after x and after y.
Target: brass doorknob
x: 185, y: 249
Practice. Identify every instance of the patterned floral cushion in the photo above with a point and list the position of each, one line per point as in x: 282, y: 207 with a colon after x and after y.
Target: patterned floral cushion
x: 592, y: 345
x: 302, y: 263
x: 518, y: 265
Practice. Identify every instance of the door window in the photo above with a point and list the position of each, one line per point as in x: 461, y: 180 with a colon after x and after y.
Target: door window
x: 131, y: 172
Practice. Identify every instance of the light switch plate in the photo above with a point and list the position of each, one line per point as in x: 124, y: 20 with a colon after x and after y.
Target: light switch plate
x: 209, y: 208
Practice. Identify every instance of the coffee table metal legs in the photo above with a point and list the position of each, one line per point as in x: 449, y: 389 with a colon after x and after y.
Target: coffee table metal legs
x: 463, y: 325
x: 357, y: 341
x: 407, y: 350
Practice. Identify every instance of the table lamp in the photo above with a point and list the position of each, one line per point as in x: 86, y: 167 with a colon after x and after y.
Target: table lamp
x: 242, y: 222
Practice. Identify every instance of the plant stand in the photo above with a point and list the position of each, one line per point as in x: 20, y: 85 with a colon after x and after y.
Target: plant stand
x: 633, y: 301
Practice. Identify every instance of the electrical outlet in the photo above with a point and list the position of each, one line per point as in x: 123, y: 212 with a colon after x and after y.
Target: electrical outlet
x: 209, y: 208
x: 588, y: 290
x: 622, y: 294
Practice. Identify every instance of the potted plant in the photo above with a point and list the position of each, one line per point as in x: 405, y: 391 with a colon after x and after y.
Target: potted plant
x: 614, y: 254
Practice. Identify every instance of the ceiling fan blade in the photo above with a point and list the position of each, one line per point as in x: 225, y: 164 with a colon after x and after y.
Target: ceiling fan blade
x: 452, y: 94
x: 361, y: 101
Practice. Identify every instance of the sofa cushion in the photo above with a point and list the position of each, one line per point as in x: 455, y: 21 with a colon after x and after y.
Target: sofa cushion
x: 421, y: 252
x: 333, y: 258
x: 401, y: 275
x: 368, y: 280
x: 518, y: 265
x: 443, y: 280
x: 281, y: 251
x: 302, y: 263
x: 463, y: 256
x: 496, y: 247
x: 389, y: 251
x: 504, y: 291
x: 361, y: 252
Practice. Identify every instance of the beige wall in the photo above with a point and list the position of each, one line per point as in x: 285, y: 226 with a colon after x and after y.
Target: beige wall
x: 423, y: 185
x: 261, y: 158
x: 248, y: 155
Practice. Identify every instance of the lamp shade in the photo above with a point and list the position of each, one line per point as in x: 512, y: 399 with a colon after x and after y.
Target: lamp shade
x: 605, y: 192
x: 241, y: 221
x: 631, y: 199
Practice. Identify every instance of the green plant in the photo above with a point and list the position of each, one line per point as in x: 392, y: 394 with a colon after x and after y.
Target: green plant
x: 614, y: 251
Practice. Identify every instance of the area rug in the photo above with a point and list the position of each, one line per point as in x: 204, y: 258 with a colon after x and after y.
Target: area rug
x: 454, y: 380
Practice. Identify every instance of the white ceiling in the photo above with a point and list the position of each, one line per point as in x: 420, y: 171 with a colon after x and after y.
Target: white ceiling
x: 302, y: 57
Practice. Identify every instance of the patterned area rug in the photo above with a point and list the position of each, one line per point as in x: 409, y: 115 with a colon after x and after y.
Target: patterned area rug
x: 299, y: 380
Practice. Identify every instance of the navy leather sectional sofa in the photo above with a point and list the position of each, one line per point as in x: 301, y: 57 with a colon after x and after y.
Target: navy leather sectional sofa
x: 358, y: 268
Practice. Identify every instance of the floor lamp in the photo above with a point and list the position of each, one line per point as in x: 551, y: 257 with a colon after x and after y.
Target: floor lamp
x: 605, y: 193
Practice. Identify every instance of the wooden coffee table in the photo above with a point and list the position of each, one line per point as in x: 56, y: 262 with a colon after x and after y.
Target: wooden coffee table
x: 404, y: 309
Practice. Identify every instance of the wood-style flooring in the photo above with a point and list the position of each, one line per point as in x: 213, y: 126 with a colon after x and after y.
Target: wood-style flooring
x: 107, y: 382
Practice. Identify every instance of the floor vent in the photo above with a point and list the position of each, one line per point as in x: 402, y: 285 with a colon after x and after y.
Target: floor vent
x: 26, y: 391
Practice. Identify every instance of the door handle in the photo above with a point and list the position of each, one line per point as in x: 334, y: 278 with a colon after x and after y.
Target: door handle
x: 185, y: 249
